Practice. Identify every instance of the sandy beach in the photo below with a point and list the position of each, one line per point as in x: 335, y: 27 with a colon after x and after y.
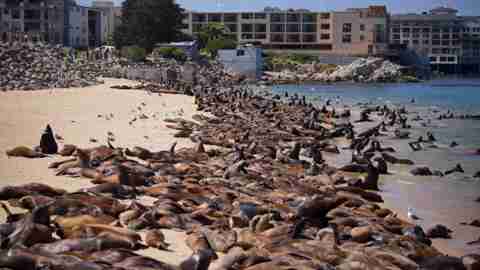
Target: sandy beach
x: 79, y: 115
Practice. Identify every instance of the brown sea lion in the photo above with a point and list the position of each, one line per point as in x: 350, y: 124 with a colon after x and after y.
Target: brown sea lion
x: 69, y: 224
x: 156, y: 239
x: 23, y: 151
x: 68, y: 150
x: 17, y: 192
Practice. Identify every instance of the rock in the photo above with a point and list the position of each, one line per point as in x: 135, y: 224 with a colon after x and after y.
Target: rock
x: 439, y: 231
x: 361, y: 234
x: 421, y: 171
x: 471, y: 261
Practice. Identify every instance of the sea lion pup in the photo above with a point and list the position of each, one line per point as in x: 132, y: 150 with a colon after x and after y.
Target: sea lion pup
x: 156, y: 239
x: 48, y: 145
x: 23, y: 151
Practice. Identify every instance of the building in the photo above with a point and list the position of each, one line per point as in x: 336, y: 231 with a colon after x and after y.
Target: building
x: 245, y: 60
x: 325, y: 32
x: 95, y: 27
x: 470, y: 37
x: 108, y: 20
x: 78, y: 27
x: 436, y: 35
x: 36, y: 20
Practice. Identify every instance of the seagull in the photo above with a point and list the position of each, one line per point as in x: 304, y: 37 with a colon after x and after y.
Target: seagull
x: 411, y: 214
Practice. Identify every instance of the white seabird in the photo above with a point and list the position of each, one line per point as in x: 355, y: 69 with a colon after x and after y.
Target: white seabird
x: 411, y: 214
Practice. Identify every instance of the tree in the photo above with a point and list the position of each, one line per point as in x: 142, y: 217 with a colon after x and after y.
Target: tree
x: 214, y: 37
x: 147, y: 22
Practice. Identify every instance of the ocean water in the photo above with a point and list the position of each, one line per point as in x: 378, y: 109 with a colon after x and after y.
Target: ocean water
x: 438, y: 200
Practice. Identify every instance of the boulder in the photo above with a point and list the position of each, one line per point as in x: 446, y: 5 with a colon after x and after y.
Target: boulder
x: 439, y: 231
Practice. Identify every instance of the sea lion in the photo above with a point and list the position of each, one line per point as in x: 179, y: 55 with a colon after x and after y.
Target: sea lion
x: 17, y: 192
x: 23, y: 151
x: 48, y: 145
x: 68, y: 150
x: 156, y: 239
x: 391, y: 159
x: 458, y: 168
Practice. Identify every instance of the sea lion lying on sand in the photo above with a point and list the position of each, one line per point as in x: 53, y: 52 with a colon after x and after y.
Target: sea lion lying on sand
x: 23, y: 151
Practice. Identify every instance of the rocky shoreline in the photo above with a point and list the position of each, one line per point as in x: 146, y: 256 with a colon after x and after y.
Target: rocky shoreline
x: 256, y: 188
x: 363, y: 70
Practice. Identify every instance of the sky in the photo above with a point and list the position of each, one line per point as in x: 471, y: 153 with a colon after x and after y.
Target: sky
x: 466, y: 7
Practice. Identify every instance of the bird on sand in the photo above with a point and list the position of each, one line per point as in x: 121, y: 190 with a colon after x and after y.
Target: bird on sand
x: 411, y: 214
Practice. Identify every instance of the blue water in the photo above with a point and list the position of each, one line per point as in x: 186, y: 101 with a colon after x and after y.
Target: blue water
x: 448, y: 200
x: 456, y: 94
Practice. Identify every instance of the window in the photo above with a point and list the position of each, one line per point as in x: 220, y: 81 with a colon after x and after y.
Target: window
x: 15, y: 14
x: 362, y: 37
x: 406, y: 42
x: 426, y: 30
x: 455, y: 42
x: 247, y: 36
x: 247, y: 27
x: 406, y: 35
x: 260, y: 36
x: 309, y: 28
x: 260, y: 16
x: 435, y: 42
x: 443, y: 59
x: 293, y: 38
x: 426, y: 35
x: 347, y: 39
x: 436, y: 50
x: 240, y: 52
x: 293, y: 17
x: 277, y: 28
x: 261, y: 28
x: 325, y: 26
x: 416, y: 30
x: 309, y: 38
x: 277, y: 17
x: 347, y: 28
x: 426, y: 42
x: 396, y: 36
x: 396, y: 30
x: 309, y: 18
x: 293, y: 28
x: 277, y: 38
x: 362, y: 27
x: 446, y: 51
x: 433, y: 59
x: 199, y: 18
x: 230, y: 17
x: 435, y: 36
x: 325, y: 16
x: 415, y: 42
x: 406, y: 30
x: 445, y: 42
x: 247, y: 16
x: 416, y: 35
x: 214, y: 17
x: 445, y: 36
x: 231, y: 27
x: 325, y: 36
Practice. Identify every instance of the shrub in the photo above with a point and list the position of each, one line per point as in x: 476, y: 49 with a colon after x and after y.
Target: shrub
x: 134, y: 53
x: 171, y: 52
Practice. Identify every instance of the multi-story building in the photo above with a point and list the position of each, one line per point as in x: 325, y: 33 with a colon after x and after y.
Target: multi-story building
x: 78, y: 27
x: 436, y: 35
x: 35, y: 20
x: 351, y: 32
x: 109, y: 12
x: 471, y: 44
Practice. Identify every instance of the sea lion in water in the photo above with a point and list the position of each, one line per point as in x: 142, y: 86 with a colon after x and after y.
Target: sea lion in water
x: 23, y: 151
x: 48, y: 145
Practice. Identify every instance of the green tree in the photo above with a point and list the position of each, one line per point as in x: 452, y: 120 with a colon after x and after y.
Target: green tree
x: 214, y: 37
x: 147, y: 22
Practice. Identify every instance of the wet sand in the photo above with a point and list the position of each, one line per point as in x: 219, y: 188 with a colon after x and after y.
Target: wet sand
x: 78, y: 115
